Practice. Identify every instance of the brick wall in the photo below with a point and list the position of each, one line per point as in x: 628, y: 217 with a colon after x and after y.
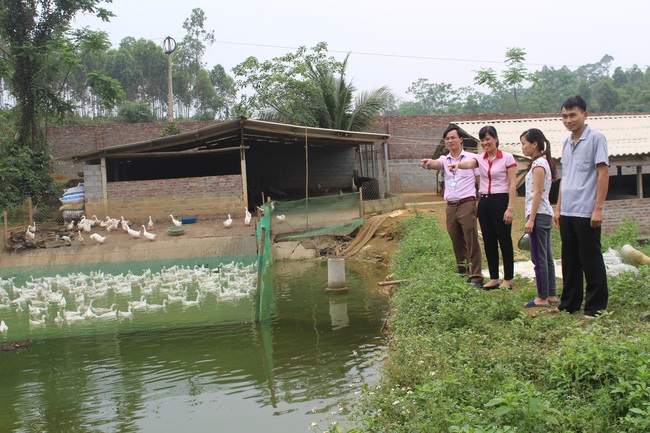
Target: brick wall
x: 207, y: 197
x: 71, y: 140
x: 406, y: 175
x: 637, y: 210
x: 416, y: 137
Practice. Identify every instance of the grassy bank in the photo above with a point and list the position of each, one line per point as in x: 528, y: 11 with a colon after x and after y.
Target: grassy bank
x: 465, y: 360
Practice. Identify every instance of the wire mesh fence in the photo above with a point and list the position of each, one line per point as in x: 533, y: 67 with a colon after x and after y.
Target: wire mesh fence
x: 27, y: 219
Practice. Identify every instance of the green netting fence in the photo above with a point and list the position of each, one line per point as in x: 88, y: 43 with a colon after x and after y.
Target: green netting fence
x: 335, y: 215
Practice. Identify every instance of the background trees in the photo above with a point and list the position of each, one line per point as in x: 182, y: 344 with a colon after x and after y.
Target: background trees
x: 307, y: 88
x: 76, y: 76
x: 515, y: 89
x: 39, y: 53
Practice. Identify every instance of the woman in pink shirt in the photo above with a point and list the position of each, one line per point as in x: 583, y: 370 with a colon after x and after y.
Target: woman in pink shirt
x: 498, y: 171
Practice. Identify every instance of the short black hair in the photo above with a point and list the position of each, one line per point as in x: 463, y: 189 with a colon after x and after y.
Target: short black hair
x: 575, y: 101
x: 452, y: 128
x: 488, y: 130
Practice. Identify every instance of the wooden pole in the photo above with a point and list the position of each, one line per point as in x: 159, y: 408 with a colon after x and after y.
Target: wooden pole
x: 306, y: 181
x: 5, y: 231
x: 389, y: 283
x: 30, y: 211
x: 169, y: 88
x: 244, y: 175
x: 102, y: 169
x: 361, y: 202
x: 260, y: 267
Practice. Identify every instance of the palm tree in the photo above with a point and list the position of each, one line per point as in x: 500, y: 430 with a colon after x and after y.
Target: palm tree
x: 337, y: 108
x: 331, y: 102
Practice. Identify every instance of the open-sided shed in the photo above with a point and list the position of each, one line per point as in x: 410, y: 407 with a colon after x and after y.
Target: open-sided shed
x: 222, y: 168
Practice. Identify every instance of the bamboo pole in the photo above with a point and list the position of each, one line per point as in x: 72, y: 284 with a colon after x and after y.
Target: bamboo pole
x: 102, y: 168
x: 260, y: 266
x: 244, y: 174
x: 389, y: 283
x: 306, y: 181
x: 6, y: 229
x: 30, y: 211
x: 361, y: 202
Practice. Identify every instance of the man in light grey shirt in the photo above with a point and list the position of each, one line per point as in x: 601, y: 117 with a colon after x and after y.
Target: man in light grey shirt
x: 579, y: 212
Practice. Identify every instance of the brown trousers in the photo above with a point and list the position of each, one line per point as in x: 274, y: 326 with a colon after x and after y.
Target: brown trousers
x: 463, y: 230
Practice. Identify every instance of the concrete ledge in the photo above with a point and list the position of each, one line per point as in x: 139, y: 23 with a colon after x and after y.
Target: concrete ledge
x: 293, y: 250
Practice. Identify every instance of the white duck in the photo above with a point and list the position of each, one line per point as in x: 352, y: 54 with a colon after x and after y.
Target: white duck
x: 248, y: 217
x: 65, y: 238
x: 176, y: 222
x: 3, y: 327
x: 156, y: 307
x: 281, y: 217
x: 110, y: 315
x: 227, y: 223
x: 101, y: 310
x: 71, y: 225
x: 30, y: 234
x: 150, y: 236
x: 84, y: 224
x: 150, y: 224
x: 187, y: 303
x: 115, y: 223
x: 106, y: 223
x: 32, y: 228
x: 80, y: 239
x: 37, y: 322
x: 59, y: 319
x: 133, y: 233
x: 173, y: 298
x: 89, y: 314
x: 99, y: 239
x: 139, y: 305
x: 355, y: 188
x: 125, y: 314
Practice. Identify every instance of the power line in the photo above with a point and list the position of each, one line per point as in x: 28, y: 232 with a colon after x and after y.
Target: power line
x: 401, y: 56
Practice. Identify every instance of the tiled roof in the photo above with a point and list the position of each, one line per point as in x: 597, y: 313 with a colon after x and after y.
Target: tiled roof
x: 627, y: 135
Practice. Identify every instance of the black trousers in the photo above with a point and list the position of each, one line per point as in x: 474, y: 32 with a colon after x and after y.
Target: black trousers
x: 496, y: 233
x: 581, y: 256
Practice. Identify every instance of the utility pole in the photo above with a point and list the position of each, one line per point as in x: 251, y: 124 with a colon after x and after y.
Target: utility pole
x: 169, y: 45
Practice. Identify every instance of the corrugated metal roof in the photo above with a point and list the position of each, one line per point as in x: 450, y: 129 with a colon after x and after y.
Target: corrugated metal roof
x: 227, y: 134
x: 627, y: 135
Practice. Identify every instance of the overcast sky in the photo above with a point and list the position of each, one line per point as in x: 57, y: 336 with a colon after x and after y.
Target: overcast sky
x: 395, y: 43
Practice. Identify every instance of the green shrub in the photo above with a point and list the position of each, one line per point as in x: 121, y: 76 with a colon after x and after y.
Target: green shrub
x: 136, y: 112
x: 627, y: 233
x: 466, y: 360
x: 170, y: 129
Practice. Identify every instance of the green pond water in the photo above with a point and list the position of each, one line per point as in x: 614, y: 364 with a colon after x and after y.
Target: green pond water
x: 188, y: 366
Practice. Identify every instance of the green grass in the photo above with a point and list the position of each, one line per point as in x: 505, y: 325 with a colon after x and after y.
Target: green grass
x: 464, y: 360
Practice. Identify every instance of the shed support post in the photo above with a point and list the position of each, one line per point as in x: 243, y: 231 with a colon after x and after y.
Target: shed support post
x: 102, y: 168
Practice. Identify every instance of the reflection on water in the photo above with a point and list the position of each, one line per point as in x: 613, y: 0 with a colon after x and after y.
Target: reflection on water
x: 205, y: 367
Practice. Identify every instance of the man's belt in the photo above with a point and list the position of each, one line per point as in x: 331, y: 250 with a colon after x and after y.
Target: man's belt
x: 461, y: 201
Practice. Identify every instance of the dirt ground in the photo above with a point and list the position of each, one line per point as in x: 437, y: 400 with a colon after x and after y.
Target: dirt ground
x: 385, y: 242
x: 199, y: 239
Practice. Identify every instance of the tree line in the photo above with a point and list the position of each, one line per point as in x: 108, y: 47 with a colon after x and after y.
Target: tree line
x: 517, y: 90
x: 51, y: 73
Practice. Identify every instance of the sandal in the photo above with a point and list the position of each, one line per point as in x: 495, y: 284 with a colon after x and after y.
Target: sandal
x: 532, y: 304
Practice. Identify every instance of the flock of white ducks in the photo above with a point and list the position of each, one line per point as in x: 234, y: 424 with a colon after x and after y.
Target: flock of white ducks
x: 67, y: 300
x: 92, y: 227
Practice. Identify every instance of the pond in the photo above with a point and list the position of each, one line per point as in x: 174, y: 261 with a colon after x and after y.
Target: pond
x: 193, y: 358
